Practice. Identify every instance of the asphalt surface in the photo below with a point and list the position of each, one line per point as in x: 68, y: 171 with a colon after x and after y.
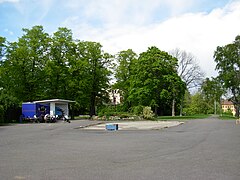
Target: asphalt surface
x: 199, y: 149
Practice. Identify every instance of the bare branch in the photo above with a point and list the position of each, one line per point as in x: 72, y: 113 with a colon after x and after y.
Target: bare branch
x: 188, y: 69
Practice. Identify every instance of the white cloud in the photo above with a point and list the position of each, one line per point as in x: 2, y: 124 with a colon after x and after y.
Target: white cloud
x: 198, y: 33
x: 10, y: 1
x: 31, y: 8
x: 9, y: 32
x: 127, y: 11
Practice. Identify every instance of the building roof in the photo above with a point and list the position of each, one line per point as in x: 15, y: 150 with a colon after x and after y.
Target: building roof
x: 54, y: 100
x: 226, y: 102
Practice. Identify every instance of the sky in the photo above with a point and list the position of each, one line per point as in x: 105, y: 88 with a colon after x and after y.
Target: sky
x: 194, y: 26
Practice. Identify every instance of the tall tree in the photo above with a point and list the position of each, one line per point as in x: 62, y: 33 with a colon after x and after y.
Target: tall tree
x: 62, y: 50
x: 198, y: 104
x: 2, y: 47
x: 188, y: 70
x: 212, y: 90
x: 26, y: 58
x: 151, y: 80
x: 228, y: 65
x: 98, y: 74
x: 123, y: 72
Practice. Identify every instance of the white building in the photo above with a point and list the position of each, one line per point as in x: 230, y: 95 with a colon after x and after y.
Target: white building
x: 114, y: 96
x: 60, y: 103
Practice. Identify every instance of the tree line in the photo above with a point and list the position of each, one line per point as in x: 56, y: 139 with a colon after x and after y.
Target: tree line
x: 41, y: 66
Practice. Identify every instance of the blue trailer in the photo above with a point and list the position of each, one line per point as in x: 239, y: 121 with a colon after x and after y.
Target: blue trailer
x: 55, y: 108
x: 37, y: 109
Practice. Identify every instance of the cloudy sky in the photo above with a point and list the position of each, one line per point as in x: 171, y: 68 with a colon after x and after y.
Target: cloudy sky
x: 196, y: 26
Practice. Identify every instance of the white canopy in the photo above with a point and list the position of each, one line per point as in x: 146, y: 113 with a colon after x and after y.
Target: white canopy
x: 61, y: 103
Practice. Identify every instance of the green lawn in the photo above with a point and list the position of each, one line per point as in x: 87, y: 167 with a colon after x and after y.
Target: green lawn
x: 227, y: 117
x: 169, y: 118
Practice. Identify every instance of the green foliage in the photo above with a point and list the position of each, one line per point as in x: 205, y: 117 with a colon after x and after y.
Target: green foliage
x: 40, y: 66
x: 123, y: 72
x: 212, y: 91
x: 186, y: 117
x: 154, y: 80
x: 198, y: 105
x: 23, y: 73
x: 7, y: 102
x: 148, y: 113
x: 2, y: 46
x: 228, y: 65
x: 227, y: 117
x: 228, y: 113
x: 57, y: 76
x: 98, y: 74
x: 2, y: 114
x: 108, y: 111
x: 137, y: 110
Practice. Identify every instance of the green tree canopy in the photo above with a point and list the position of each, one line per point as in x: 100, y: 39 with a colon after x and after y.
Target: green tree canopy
x: 40, y: 66
x: 23, y: 69
x: 96, y: 63
x: 152, y: 80
x: 228, y: 65
x: 125, y: 62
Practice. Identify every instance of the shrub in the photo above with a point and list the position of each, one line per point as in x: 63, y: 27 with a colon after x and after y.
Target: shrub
x: 228, y: 112
x: 148, y: 113
x: 137, y: 110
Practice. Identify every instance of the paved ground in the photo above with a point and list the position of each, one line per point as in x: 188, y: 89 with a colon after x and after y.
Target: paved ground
x: 137, y: 125
x: 199, y: 149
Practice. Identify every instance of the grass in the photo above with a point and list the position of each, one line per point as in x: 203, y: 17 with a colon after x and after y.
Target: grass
x: 82, y: 117
x: 227, y: 117
x: 169, y: 118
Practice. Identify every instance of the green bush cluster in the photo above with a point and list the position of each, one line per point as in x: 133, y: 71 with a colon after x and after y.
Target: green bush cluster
x: 148, y: 113
x: 137, y: 112
x: 108, y: 111
x: 228, y: 113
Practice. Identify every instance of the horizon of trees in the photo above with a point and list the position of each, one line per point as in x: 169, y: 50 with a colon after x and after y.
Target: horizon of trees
x: 42, y: 66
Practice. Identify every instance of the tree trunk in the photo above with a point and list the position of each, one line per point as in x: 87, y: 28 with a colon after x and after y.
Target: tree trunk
x: 156, y: 111
x: 215, y: 107
x: 173, y: 107
x: 237, y: 111
x: 181, y: 106
x: 92, y: 105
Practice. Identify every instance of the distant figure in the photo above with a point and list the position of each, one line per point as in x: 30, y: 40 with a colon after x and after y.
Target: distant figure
x: 65, y: 118
x: 52, y: 119
x: 21, y: 118
x: 46, y: 118
x: 35, y: 118
x: 42, y: 117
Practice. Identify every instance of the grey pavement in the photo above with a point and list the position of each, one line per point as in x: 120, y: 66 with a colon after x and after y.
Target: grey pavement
x: 199, y: 149
x: 136, y: 125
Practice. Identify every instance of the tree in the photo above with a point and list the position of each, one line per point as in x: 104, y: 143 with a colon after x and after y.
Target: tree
x: 8, y: 103
x: 228, y: 65
x: 123, y: 72
x: 61, y: 52
x: 188, y: 70
x: 198, y: 104
x: 212, y: 90
x: 23, y: 70
x: 98, y: 74
x: 151, y: 80
x: 2, y: 47
x: 176, y: 88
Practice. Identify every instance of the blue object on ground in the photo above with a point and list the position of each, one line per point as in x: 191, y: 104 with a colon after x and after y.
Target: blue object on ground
x: 112, y: 127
